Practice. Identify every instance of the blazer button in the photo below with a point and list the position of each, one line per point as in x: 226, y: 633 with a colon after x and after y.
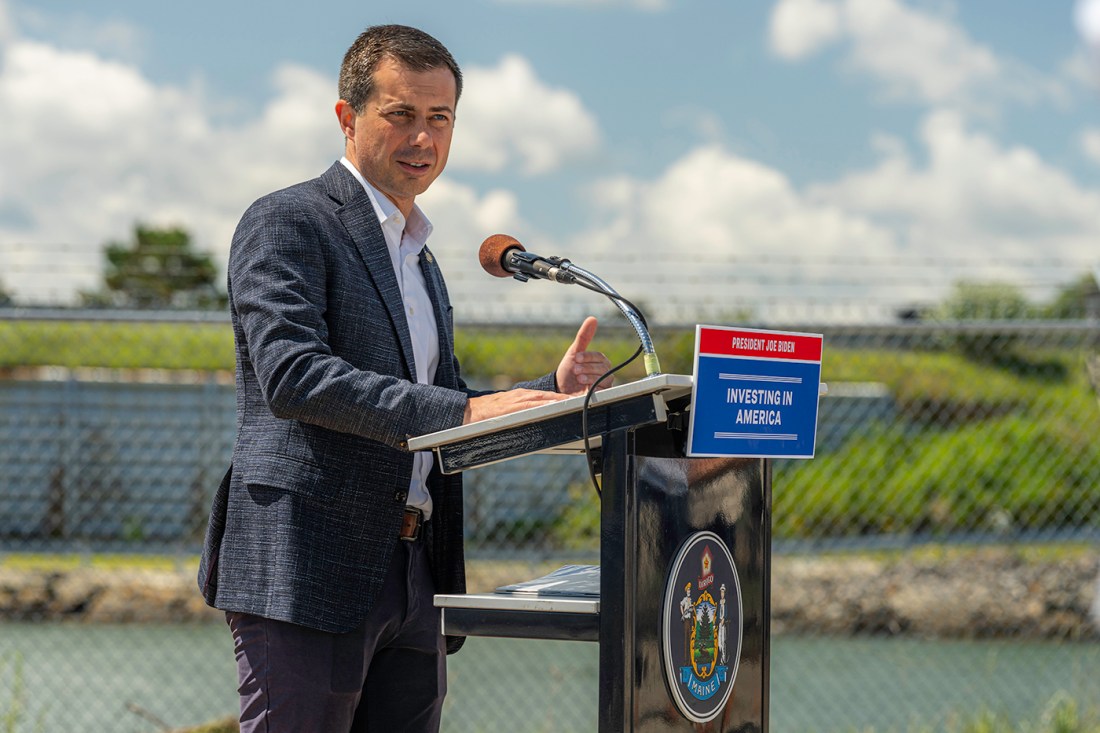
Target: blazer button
x: 401, y: 496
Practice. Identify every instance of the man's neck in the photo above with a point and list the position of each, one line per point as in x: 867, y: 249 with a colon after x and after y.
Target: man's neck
x: 404, y: 207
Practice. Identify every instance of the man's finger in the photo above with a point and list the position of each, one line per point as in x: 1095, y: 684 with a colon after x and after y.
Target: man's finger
x: 585, y: 334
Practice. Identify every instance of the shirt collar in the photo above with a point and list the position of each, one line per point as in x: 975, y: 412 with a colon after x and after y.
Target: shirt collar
x: 418, y: 227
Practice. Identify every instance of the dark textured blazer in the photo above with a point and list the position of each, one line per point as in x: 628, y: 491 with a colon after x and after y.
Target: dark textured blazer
x: 303, y: 525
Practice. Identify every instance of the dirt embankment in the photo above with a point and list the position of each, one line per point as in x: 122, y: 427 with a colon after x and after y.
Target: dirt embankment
x: 980, y: 593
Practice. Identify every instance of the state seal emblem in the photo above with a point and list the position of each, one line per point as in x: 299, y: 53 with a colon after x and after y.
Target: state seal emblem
x: 702, y: 626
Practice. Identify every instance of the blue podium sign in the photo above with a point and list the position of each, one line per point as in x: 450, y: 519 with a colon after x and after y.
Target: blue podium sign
x: 756, y: 393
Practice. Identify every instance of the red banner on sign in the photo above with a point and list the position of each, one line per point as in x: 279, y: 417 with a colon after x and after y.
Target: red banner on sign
x: 759, y: 344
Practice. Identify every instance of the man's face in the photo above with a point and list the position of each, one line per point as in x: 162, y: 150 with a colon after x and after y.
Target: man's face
x: 401, y: 140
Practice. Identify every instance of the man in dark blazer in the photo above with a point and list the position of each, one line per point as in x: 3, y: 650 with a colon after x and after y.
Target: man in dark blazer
x: 328, y: 538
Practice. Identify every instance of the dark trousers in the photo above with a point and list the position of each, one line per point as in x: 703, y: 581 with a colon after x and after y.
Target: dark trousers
x: 388, y: 675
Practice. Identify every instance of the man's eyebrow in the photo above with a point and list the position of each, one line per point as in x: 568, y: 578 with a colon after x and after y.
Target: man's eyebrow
x: 412, y: 107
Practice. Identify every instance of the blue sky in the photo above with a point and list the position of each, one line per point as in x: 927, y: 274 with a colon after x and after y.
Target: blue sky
x: 698, y: 155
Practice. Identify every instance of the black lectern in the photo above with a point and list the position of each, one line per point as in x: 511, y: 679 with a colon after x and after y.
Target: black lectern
x: 684, y: 578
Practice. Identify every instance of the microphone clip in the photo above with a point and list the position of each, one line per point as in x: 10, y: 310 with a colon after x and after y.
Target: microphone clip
x: 526, y: 265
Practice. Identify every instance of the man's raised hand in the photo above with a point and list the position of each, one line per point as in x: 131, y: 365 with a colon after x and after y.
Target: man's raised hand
x: 579, y: 368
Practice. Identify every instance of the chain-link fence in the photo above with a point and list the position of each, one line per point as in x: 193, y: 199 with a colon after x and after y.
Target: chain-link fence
x: 936, y: 562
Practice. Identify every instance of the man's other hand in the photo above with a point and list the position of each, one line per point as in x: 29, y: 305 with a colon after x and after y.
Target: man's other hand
x: 507, y: 402
x: 579, y: 367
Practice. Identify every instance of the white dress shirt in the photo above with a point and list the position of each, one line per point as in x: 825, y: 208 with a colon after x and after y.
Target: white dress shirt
x: 405, y: 241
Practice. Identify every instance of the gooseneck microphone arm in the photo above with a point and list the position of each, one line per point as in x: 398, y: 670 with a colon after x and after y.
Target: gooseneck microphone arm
x: 628, y: 309
x: 504, y: 256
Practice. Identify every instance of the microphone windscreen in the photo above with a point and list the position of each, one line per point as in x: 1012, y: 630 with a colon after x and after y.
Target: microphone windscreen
x: 492, y: 252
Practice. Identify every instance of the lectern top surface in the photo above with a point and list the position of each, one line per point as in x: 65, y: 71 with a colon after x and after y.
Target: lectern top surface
x: 670, y: 386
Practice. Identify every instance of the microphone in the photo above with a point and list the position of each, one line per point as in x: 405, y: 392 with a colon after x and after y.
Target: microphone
x: 503, y: 256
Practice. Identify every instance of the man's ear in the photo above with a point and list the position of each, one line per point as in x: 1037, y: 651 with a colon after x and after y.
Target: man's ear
x: 346, y: 114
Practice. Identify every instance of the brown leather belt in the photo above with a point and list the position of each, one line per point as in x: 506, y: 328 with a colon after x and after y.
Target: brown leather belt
x: 410, y: 525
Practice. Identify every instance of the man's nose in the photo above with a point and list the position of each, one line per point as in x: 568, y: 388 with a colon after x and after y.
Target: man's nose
x: 420, y: 136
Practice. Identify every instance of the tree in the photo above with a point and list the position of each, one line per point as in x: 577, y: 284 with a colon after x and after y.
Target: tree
x: 996, y: 344
x: 158, y: 268
x: 974, y: 301
x: 990, y: 301
x: 704, y: 639
x: 1072, y: 300
x: 5, y: 298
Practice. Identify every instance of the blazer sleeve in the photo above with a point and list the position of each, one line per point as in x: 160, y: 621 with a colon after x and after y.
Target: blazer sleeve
x: 280, y: 290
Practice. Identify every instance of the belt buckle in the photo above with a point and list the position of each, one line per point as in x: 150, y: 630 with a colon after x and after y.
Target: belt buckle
x: 415, y: 535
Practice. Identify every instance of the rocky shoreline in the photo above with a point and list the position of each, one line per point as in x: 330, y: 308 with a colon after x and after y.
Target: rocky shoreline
x: 973, y: 594
x: 976, y: 594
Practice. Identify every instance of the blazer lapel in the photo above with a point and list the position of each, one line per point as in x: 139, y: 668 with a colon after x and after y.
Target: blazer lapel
x: 445, y: 373
x: 358, y: 217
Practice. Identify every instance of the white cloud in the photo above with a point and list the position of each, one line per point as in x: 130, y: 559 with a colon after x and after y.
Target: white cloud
x: 1083, y: 68
x: 799, y: 28
x: 916, y: 55
x: 7, y: 25
x: 1090, y: 144
x: 731, y: 208
x: 1087, y: 17
x: 713, y: 229
x: 462, y: 219
x: 974, y: 198
x: 91, y: 146
x: 508, y: 118
x: 716, y: 230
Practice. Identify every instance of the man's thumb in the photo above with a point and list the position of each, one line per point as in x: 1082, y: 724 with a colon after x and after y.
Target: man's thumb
x: 585, y: 334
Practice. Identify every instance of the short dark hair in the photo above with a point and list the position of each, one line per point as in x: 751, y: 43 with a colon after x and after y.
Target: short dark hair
x: 412, y: 47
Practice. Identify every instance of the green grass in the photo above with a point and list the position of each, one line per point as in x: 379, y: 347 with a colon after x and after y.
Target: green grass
x: 13, y: 706
x: 986, y: 441
x: 42, y: 562
x: 114, y: 345
x: 209, y: 346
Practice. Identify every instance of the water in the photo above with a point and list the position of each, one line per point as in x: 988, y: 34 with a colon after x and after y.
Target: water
x: 899, y: 684
x: 93, y: 678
